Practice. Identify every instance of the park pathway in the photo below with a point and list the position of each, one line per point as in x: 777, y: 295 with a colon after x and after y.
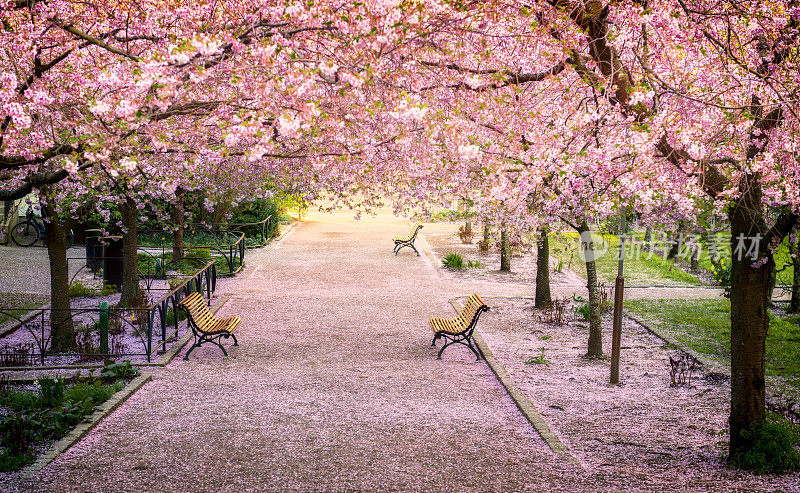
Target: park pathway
x: 334, y: 387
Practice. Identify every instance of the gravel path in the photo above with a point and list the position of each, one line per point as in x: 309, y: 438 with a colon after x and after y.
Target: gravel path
x: 334, y: 387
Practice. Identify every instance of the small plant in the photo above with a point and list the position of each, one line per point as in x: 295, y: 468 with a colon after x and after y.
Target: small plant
x: 483, y: 246
x: 583, y: 309
x: 771, y: 448
x: 681, y: 370
x: 722, y: 274
x: 475, y: 265
x: 77, y: 289
x: 453, y: 260
x: 17, y: 432
x: 87, y: 350
x: 109, y: 289
x: 51, y: 391
x: 118, y: 371
x: 16, y: 355
x: 559, y: 267
x: 555, y: 313
x: 538, y: 360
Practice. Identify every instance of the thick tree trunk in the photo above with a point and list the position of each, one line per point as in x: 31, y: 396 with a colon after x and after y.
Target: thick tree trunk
x: 750, y: 294
x: 505, y: 251
x: 648, y: 236
x: 677, y: 243
x: 486, y: 232
x: 543, y: 298
x: 595, y: 346
x: 794, y: 303
x: 132, y: 295
x: 468, y: 228
x: 177, y: 224
x: 61, y: 324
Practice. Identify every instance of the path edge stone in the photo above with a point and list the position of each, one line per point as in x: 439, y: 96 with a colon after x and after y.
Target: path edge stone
x: 85, y: 426
x: 525, y: 406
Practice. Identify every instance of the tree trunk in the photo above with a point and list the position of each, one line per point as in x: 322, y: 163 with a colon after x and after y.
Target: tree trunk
x: 505, y: 251
x: 794, y: 303
x: 468, y: 228
x: 132, y: 295
x: 543, y: 298
x: 648, y: 236
x: 486, y: 232
x: 749, y: 319
x: 177, y: 224
x: 61, y: 324
x: 695, y: 261
x: 677, y: 243
x: 595, y: 349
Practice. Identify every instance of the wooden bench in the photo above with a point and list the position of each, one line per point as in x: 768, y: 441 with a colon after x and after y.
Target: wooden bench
x: 459, y: 330
x: 407, y: 240
x: 205, y: 325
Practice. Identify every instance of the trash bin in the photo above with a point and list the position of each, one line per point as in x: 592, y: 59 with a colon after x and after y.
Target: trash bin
x: 94, y: 250
x: 112, y: 260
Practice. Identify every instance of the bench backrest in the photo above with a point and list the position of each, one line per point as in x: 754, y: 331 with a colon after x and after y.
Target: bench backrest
x: 468, y: 316
x: 414, y: 230
x: 197, y: 308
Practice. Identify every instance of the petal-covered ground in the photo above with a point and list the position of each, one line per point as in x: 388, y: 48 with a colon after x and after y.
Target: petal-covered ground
x: 335, y: 387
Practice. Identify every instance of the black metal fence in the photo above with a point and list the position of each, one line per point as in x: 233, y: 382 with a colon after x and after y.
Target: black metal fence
x: 103, y: 332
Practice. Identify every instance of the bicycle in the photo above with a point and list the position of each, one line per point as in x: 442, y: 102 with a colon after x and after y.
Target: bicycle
x: 28, y: 232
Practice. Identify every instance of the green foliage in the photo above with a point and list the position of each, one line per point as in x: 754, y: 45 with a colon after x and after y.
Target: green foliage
x: 583, y: 308
x: 12, y: 462
x: 453, y: 260
x: 770, y: 447
x: 118, y: 371
x: 538, y: 360
x: 475, y: 265
x: 170, y: 318
x: 17, y: 431
x: 722, y: 274
x: 51, y: 391
x: 77, y: 289
x: 19, y: 401
x: 53, y: 410
x: 257, y: 210
x: 704, y: 325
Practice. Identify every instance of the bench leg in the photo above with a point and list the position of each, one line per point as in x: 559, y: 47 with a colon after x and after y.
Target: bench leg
x: 435, y: 338
x: 464, y: 341
x: 235, y: 342
x: 414, y: 248
x: 195, y: 345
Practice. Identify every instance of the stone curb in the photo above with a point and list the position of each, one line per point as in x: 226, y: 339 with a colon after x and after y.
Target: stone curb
x: 525, y: 406
x: 705, y: 361
x: 85, y: 426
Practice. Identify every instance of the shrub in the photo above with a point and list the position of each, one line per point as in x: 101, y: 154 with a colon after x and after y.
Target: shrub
x: 17, y: 432
x: 77, y: 289
x: 12, y: 462
x: 771, y: 448
x: 453, y: 260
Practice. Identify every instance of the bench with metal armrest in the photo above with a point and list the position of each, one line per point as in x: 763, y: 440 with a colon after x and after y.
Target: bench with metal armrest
x: 459, y: 330
x: 206, y: 326
x: 407, y: 240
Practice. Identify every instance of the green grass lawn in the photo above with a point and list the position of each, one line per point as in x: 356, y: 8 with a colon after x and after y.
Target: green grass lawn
x: 704, y: 325
x: 641, y: 267
x: 21, y: 302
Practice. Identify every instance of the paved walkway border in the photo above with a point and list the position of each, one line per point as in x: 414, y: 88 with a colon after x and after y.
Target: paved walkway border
x: 85, y: 426
x: 525, y: 406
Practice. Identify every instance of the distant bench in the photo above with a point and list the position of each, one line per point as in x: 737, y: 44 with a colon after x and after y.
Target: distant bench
x: 407, y: 240
x: 205, y: 325
x: 459, y: 330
